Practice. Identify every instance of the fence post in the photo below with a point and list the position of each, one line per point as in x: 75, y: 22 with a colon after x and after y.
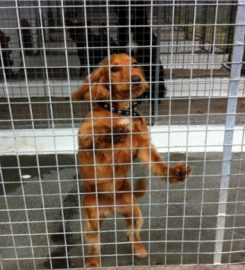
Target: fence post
x: 236, y: 64
x: 157, y: 61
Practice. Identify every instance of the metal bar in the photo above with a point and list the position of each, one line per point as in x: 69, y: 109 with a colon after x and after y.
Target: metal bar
x: 157, y: 67
x: 13, y: 240
x: 237, y: 57
x: 85, y: 14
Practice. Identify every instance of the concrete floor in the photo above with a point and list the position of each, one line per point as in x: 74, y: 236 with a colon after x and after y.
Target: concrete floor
x: 181, y: 228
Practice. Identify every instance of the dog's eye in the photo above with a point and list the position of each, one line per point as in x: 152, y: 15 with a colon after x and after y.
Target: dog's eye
x: 115, y: 69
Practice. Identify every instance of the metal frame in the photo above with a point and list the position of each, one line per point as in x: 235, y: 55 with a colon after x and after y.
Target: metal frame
x: 237, y: 58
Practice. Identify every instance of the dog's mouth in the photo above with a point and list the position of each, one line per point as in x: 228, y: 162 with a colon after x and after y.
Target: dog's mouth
x: 136, y: 87
x: 131, y: 91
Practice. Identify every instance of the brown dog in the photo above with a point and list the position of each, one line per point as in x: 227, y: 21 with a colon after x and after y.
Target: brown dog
x: 107, y: 147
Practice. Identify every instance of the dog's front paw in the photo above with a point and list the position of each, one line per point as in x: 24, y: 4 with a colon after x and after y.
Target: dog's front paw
x: 120, y: 133
x: 179, y: 172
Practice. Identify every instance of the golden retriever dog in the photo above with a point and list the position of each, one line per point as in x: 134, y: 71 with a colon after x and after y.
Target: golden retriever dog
x: 111, y: 137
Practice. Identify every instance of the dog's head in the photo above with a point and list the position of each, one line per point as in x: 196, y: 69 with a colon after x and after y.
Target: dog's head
x: 120, y: 74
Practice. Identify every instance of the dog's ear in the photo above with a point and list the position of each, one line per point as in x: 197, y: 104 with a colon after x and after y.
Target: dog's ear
x: 97, y: 81
x: 98, y: 75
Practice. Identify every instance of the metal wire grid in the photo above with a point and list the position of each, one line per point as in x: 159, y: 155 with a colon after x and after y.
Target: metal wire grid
x: 199, y: 222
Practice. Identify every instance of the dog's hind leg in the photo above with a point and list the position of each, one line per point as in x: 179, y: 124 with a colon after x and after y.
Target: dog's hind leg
x: 134, y: 221
x: 93, y: 216
x: 91, y: 236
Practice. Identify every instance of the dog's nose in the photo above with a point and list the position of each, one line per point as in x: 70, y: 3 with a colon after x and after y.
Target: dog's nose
x: 135, y: 79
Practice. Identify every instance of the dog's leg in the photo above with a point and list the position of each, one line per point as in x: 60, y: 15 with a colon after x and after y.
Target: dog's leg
x: 158, y: 166
x: 148, y: 154
x: 131, y: 211
x: 94, y: 212
x: 91, y: 236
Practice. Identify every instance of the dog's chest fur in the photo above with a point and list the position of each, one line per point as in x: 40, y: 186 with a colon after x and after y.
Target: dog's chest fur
x: 121, y: 131
x: 124, y: 140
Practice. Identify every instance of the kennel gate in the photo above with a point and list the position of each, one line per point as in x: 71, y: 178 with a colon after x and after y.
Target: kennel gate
x: 47, y: 48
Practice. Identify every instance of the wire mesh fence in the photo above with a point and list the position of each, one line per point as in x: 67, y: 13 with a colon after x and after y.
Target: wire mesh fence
x: 55, y: 186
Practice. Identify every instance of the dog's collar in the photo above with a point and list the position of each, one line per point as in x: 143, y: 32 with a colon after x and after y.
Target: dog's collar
x: 113, y: 109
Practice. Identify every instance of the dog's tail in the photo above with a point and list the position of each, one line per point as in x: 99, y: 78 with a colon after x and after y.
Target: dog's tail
x: 140, y: 188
